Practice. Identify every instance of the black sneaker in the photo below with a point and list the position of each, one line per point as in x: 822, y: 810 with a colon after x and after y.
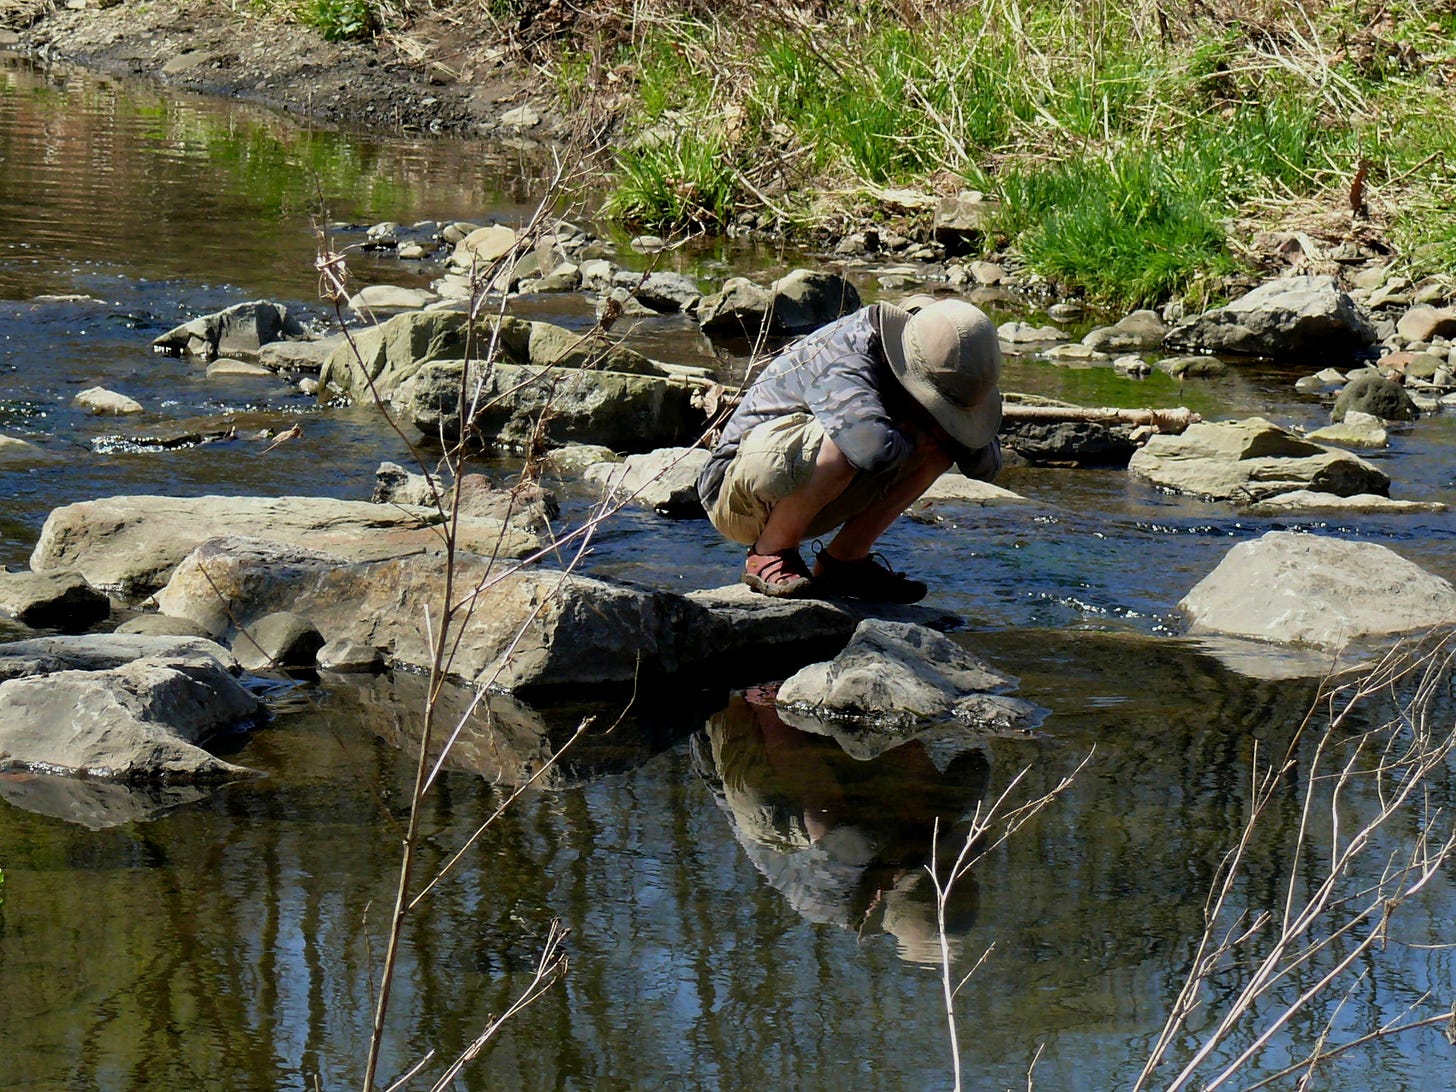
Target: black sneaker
x: 869, y: 578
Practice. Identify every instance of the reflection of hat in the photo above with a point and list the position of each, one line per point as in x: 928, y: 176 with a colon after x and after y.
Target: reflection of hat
x: 948, y: 358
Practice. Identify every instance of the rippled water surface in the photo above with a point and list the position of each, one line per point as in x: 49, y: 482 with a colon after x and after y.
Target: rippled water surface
x: 748, y: 904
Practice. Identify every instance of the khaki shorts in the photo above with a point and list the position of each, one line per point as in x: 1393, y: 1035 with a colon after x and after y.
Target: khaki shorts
x: 773, y: 460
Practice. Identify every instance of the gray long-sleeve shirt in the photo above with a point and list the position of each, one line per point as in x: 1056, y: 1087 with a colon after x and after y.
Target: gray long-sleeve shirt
x: 840, y: 376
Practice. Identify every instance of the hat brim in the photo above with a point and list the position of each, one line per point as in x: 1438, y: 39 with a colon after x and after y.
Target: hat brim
x: 974, y: 426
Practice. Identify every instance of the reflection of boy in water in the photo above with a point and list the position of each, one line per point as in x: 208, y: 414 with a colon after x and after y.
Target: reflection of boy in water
x: 845, y: 841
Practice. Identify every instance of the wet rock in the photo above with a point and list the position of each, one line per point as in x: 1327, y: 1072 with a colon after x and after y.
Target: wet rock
x: 55, y: 600
x: 1291, y: 316
x: 1303, y: 500
x: 1134, y: 367
x: 131, y: 544
x: 1310, y: 590
x: 1250, y: 460
x: 1371, y: 393
x: 237, y: 330
x: 1423, y: 323
x: 1136, y: 332
x: 1355, y: 430
x: 664, y: 480
x: 797, y: 303
x: 623, y: 412
x: 350, y: 658
x: 895, y: 679
x: 140, y: 721
x: 280, y: 641
x: 1068, y: 443
x: 100, y: 401
x: 391, y: 297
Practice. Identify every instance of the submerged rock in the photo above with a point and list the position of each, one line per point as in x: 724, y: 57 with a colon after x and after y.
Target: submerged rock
x: 1250, y: 460
x: 1291, y: 316
x: 895, y: 679
x: 142, y: 720
x: 1311, y: 590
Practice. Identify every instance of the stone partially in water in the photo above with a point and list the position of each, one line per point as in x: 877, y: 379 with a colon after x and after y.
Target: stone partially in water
x: 100, y: 401
x: 140, y: 721
x: 239, y: 330
x: 665, y: 481
x: 894, y: 680
x: 1311, y: 590
x: 1291, y: 316
x: 55, y: 600
x: 1250, y: 460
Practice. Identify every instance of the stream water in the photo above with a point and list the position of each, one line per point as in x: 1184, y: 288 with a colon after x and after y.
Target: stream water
x: 747, y: 904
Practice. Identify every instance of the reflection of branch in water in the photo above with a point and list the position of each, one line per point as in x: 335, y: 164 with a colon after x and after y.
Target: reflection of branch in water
x: 847, y: 842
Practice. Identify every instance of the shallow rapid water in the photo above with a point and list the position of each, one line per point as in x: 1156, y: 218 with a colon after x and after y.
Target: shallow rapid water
x: 747, y: 904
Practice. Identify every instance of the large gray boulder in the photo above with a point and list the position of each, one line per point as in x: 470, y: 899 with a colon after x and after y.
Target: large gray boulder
x: 1311, y: 590
x: 238, y: 331
x: 526, y: 630
x: 1292, y: 316
x: 139, y: 721
x: 797, y: 303
x: 131, y: 544
x: 620, y: 411
x: 665, y: 480
x: 1250, y: 460
x: 895, y: 679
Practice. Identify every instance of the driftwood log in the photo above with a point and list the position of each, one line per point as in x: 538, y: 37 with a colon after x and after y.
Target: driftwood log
x: 1163, y: 420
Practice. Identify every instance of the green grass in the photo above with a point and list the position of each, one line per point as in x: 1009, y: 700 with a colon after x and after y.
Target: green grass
x: 1121, y: 139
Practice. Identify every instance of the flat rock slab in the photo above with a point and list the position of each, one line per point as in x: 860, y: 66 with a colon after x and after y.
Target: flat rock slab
x: 99, y: 652
x: 1322, y: 592
x: 1249, y: 460
x: 1303, y: 500
x: 955, y: 488
x: 526, y: 630
x: 143, y: 721
x: 131, y: 544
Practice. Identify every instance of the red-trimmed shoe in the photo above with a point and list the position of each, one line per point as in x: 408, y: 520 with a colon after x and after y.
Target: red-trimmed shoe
x: 870, y: 578
x: 781, y: 574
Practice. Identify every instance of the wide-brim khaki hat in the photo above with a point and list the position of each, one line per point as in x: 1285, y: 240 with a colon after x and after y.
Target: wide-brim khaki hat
x: 948, y: 358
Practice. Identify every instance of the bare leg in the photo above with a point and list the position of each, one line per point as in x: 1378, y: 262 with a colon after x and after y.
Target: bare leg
x: 860, y: 533
x: 789, y: 520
